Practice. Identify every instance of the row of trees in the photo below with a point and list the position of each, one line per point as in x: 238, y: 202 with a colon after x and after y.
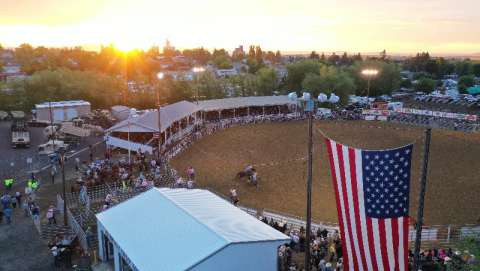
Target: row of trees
x: 316, y: 76
x: 436, y: 68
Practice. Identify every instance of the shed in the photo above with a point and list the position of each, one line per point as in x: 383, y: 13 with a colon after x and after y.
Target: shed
x: 185, y: 229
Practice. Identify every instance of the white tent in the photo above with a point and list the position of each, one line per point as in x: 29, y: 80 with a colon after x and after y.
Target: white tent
x: 186, y: 229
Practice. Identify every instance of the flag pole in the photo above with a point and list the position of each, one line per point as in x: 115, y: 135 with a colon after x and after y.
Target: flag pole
x: 421, y: 200
x: 309, y: 194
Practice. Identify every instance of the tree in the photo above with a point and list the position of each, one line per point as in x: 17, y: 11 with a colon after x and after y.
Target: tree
x: 210, y: 87
x: 425, y: 84
x: 259, y: 55
x: 463, y: 68
x: 199, y: 55
x: 406, y: 83
x: 251, y: 52
x: 101, y: 90
x: 314, y: 83
x: 333, y: 58
x: 278, y: 57
x: 267, y: 81
x: 330, y: 80
x: 464, y: 82
x: 432, y: 68
x: 314, y: 55
x: 298, y: 70
x: 222, y: 62
x: 476, y: 69
x: 270, y: 56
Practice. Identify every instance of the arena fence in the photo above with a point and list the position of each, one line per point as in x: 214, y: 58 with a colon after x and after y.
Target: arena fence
x: 74, y: 225
x: 430, y: 236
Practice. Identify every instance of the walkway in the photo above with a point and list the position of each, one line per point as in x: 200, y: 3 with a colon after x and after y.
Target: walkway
x: 21, y: 248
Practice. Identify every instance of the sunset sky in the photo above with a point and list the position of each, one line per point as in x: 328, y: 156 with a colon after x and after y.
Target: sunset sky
x: 399, y: 26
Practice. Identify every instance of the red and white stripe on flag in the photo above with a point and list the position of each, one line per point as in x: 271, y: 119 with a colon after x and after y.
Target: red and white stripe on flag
x: 371, y: 209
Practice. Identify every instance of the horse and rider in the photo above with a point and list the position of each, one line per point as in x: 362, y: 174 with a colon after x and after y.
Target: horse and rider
x: 250, y: 173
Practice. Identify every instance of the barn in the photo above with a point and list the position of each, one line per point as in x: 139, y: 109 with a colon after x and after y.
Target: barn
x: 185, y: 229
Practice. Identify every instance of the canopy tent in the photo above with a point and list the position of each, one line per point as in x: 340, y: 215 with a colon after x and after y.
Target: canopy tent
x: 187, y: 229
x: 148, y: 122
x: 239, y: 102
x: 474, y: 90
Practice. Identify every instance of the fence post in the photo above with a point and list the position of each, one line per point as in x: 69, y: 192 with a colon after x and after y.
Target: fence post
x: 448, y: 234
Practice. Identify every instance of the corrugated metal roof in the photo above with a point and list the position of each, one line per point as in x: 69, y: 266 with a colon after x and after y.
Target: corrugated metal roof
x: 174, y: 229
x: 239, y: 102
x: 149, y: 120
x: 62, y: 104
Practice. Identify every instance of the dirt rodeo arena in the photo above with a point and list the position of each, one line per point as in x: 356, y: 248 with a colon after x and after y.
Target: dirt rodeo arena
x: 278, y: 151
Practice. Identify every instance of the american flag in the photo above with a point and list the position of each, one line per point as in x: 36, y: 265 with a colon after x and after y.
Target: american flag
x: 372, y: 194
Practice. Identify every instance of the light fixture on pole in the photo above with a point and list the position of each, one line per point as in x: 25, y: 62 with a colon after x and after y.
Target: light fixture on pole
x: 197, y: 70
x: 369, y: 74
x: 160, y: 77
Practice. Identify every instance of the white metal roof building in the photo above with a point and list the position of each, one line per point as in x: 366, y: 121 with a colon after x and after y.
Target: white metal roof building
x: 239, y: 102
x: 181, y: 229
x: 62, y: 111
x: 148, y: 122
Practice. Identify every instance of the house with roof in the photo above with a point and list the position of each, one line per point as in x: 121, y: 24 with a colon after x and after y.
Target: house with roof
x: 185, y: 229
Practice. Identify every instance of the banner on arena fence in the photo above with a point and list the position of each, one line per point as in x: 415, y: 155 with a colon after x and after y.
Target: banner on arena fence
x: 440, y: 114
x: 376, y: 112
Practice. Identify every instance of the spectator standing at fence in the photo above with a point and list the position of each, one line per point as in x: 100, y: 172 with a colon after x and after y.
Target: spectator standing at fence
x: 1, y: 216
x: 191, y: 173
x: 234, y: 196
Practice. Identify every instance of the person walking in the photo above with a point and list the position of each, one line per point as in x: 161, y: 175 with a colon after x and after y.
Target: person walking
x: 51, y: 215
x: 6, y: 201
x: 18, y: 197
x: 13, y: 200
x: 8, y: 214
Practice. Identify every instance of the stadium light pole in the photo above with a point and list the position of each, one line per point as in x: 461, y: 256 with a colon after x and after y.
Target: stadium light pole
x: 309, y: 192
x: 197, y: 70
x: 160, y: 77
x: 369, y: 74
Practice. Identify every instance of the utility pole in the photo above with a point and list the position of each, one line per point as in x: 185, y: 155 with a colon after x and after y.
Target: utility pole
x: 62, y: 163
x: 160, y: 77
x: 159, y: 126
x: 309, y: 190
x: 421, y: 200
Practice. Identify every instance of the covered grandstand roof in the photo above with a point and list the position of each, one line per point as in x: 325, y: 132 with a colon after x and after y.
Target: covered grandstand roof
x: 148, y: 121
x: 182, y: 226
x: 239, y: 102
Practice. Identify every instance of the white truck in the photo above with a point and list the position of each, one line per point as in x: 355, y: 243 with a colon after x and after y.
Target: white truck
x: 19, y: 130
